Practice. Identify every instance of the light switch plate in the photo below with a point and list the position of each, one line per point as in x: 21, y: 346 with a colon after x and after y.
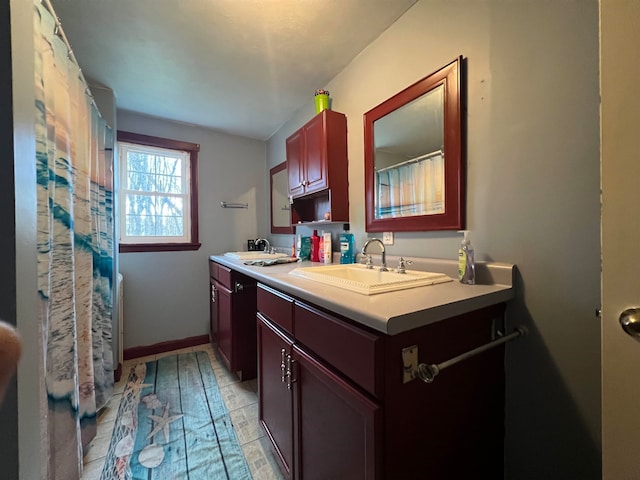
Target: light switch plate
x: 387, y: 238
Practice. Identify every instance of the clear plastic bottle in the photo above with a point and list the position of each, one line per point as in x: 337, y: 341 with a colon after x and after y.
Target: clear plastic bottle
x: 347, y: 246
x: 466, y: 261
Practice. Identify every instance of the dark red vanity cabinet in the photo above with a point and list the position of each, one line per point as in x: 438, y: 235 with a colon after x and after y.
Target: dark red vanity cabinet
x: 233, y: 309
x: 334, y: 402
x: 276, y: 400
x: 317, y: 168
x: 310, y: 413
x: 337, y: 428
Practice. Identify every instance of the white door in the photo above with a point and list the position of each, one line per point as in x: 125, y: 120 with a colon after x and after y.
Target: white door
x: 620, y: 136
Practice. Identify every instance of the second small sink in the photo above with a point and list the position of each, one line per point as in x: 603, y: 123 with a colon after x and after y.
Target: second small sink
x: 357, y: 278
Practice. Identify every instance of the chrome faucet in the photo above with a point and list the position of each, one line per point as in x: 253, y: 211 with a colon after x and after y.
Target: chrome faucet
x: 383, y: 268
x: 267, y: 245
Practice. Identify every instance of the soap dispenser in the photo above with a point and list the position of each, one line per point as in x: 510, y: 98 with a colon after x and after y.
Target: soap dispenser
x: 466, y: 262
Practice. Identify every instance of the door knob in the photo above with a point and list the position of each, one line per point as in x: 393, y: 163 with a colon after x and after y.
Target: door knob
x: 630, y: 321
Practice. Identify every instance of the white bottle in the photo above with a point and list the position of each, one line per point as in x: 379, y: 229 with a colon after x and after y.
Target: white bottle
x: 466, y: 262
x: 326, y: 241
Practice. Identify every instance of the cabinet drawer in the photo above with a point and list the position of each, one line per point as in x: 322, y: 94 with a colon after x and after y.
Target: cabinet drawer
x: 225, y: 276
x: 276, y: 306
x: 354, y: 352
x: 213, y: 269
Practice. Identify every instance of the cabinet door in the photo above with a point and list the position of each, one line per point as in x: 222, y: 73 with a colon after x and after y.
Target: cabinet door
x: 316, y: 155
x: 337, y: 430
x: 295, y: 163
x: 213, y: 311
x: 275, y: 398
x: 224, y: 312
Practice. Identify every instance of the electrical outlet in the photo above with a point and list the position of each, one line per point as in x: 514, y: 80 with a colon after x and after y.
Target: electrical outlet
x: 387, y: 238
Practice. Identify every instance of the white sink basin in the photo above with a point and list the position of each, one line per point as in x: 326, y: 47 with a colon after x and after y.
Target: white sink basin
x: 360, y: 279
x: 254, y: 255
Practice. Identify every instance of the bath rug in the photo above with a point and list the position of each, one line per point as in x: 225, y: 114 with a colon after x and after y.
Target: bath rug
x: 172, y: 423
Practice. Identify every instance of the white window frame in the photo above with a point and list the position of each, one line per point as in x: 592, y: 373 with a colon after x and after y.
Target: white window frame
x: 129, y: 142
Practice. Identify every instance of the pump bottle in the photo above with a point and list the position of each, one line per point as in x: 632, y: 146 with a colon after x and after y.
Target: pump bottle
x: 466, y: 262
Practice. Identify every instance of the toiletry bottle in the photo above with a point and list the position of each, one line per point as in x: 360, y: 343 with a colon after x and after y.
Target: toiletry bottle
x: 315, y: 246
x: 326, y: 239
x: 466, y: 263
x: 321, y: 248
x: 298, y: 246
x: 347, y: 246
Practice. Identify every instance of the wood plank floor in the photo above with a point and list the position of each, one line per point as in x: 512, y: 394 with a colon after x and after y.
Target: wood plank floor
x: 241, y: 399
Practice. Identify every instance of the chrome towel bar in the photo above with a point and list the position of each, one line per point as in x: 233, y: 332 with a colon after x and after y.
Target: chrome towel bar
x: 427, y: 373
x: 234, y: 205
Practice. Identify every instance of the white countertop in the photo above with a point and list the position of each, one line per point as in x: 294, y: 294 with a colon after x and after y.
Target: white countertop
x: 392, y: 312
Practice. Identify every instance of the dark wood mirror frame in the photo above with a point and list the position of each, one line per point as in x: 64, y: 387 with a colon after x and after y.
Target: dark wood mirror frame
x: 278, y: 228
x: 454, y: 216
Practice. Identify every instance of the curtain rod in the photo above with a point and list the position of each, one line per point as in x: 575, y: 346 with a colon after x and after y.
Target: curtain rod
x: 59, y: 31
x: 426, y: 156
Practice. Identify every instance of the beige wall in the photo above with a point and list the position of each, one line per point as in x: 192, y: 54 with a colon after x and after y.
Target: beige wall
x: 533, y: 195
x: 166, y: 293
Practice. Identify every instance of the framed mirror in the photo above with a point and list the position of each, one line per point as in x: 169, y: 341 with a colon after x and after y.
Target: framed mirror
x: 414, y: 170
x: 280, y: 207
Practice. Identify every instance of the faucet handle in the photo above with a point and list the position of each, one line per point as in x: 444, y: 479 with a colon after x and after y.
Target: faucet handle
x: 368, y: 261
x: 402, y: 264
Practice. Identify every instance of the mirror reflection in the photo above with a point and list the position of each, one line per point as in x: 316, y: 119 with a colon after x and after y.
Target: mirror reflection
x: 280, y: 207
x: 409, y: 158
x: 414, y: 171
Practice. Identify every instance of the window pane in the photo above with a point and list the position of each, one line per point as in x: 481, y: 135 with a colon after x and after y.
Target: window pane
x: 168, y: 184
x: 143, y: 182
x: 148, y: 215
x: 137, y: 161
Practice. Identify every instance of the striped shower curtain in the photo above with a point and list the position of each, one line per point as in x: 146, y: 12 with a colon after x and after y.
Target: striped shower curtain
x: 75, y: 250
x: 411, y: 188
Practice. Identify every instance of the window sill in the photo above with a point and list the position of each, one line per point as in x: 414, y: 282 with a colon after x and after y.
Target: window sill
x: 157, y: 247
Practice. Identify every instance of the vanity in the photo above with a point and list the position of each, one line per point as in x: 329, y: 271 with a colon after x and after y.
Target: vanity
x: 338, y: 393
x: 232, y: 312
x: 369, y: 374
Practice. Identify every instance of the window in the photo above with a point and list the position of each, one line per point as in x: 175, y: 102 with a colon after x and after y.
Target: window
x: 158, y: 194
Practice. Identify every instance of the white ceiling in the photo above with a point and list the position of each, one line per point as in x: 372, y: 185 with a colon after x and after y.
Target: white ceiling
x: 238, y: 66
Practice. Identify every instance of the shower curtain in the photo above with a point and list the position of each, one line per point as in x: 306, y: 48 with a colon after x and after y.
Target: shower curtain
x: 75, y: 249
x: 412, y: 188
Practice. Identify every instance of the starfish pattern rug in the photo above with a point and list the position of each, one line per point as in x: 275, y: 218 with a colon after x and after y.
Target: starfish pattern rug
x: 172, y: 423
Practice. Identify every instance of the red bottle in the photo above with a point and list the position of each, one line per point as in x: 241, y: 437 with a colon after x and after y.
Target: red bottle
x: 315, y: 247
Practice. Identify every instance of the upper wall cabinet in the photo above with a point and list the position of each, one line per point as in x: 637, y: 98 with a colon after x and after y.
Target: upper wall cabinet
x: 317, y: 166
